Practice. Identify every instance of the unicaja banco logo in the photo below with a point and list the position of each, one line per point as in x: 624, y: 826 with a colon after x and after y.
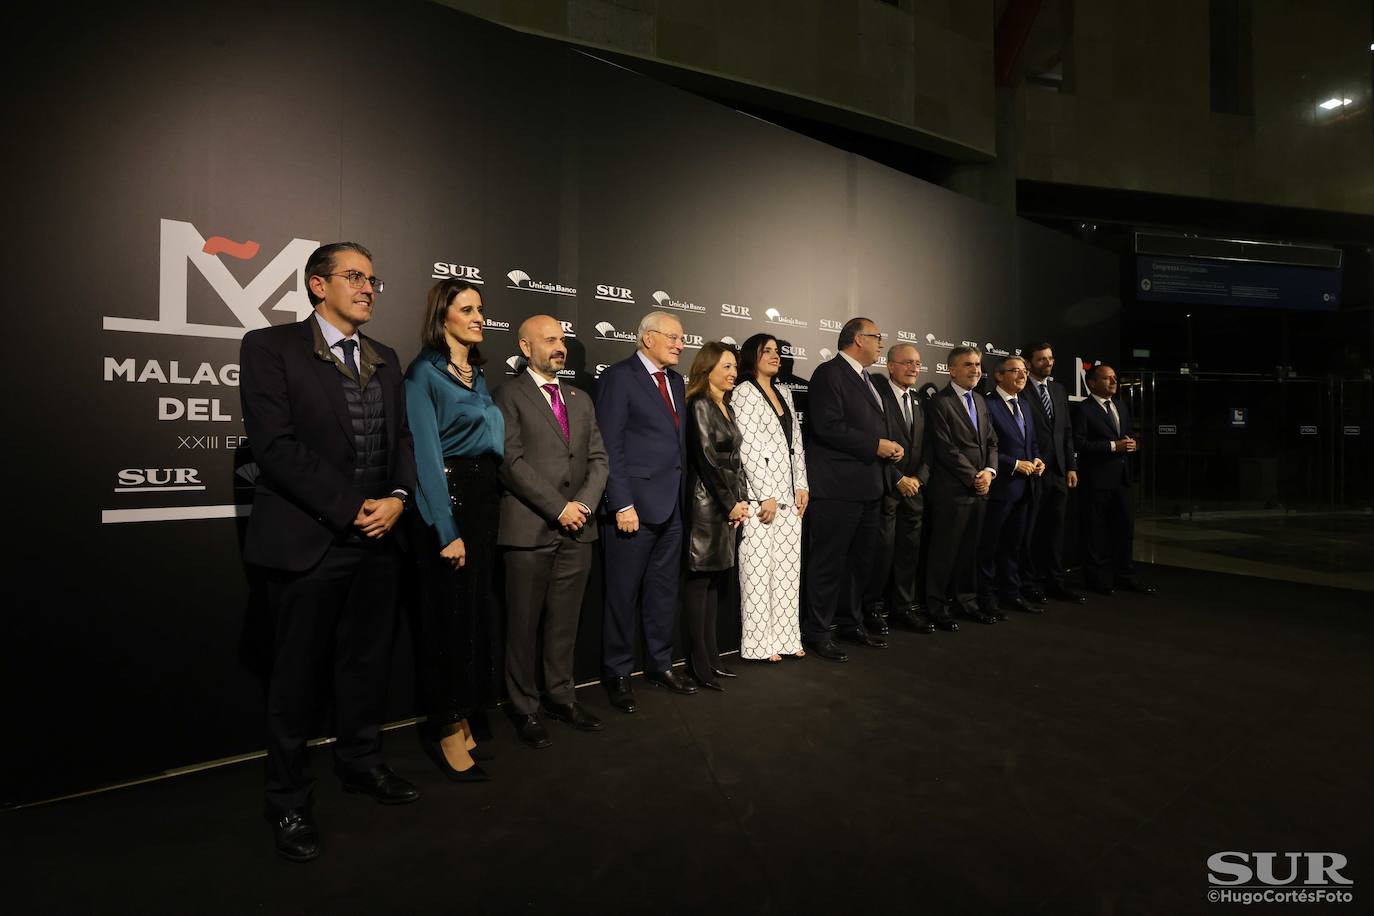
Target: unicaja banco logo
x: 994, y: 350
x: 606, y: 331
x: 727, y: 339
x: 937, y: 342
x: 826, y: 353
x: 181, y: 244
x: 621, y: 294
x: 513, y: 364
x: 447, y: 270
x: 666, y: 301
x: 522, y: 281
x: 777, y: 317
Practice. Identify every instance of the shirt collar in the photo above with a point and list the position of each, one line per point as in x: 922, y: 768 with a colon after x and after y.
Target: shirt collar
x: 1004, y: 395
x: 1101, y: 401
x: 649, y: 364
x: 853, y: 363
x: 539, y: 379
x: 898, y: 389
x: 959, y: 389
x: 332, y: 335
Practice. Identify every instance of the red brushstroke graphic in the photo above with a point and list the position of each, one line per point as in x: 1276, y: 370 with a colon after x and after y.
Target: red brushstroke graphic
x: 220, y: 245
x: 1087, y: 365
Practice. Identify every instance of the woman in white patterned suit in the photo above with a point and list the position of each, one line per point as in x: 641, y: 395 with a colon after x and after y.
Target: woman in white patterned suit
x: 775, y: 477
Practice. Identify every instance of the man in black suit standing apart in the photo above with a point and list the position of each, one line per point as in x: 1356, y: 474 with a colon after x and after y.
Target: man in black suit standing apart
x: 639, y: 407
x: 554, y: 471
x: 891, y: 587
x: 1004, y: 525
x: 1104, y: 436
x: 846, y: 461
x: 1047, y: 404
x: 963, y: 463
x: 324, y: 410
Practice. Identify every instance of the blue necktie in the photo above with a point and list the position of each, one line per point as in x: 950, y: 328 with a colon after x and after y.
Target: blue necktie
x: 348, y: 347
x: 1020, y: 417
x: 972, y: 414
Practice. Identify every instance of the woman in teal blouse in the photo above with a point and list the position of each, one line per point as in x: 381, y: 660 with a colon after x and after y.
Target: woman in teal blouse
x: 459, y: 438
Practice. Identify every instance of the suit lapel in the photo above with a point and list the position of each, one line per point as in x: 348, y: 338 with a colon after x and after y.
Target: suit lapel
x: 530, y: 389
x: 327, y: 372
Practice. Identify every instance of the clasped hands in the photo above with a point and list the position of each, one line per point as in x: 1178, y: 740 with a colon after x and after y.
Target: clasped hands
x: 1125, y: 444
x: 573, y: 517
x: 890, y: 450
x: 1030, y: 468
x: 378, y: 516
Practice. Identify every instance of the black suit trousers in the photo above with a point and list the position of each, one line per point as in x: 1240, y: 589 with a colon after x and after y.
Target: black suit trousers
x: 335, y: 621
x: 952, y: 570
x: 544, y: 588
x: 841, y: 536
x: 897, y: 557
x: 1042, y: 559
x: 1108, y: 535
x: 642, y: 573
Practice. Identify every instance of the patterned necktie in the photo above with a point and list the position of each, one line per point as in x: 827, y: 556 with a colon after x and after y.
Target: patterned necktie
x: 1044, y: 391
x: 1020, y: 418
x: 560, y: 410
x: 662, y: 380
x: 348, y: 347
x: 972, y: 414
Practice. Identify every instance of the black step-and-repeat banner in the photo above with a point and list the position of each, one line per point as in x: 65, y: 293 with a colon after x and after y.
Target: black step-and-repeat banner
x: 176, y: 166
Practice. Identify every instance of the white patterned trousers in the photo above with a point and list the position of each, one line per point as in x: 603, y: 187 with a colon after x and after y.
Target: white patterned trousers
x: 769, y: 585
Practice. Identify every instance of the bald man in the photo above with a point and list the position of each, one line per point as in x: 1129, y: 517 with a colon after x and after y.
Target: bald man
x: 553, y: 472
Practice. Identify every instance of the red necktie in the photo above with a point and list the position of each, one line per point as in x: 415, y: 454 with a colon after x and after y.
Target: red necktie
x: 663, y: 390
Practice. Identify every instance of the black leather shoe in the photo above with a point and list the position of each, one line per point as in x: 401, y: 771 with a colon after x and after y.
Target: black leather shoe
x: 1032, y: 594
x: 826, y: 650
x: 530, y: 731
x: 670, y: 680
x: 722, y: 671
x: 917, y: 623
x: 1016, y: 604
x: 622, y: 697
x: 1131, y: 585
x: 380, y: 783
x: 1061, y: 593
x: 474, y: 773
x: 709, y: 683
x: 294, y: 834
x: 947, y: 623
x: 993, y: 610
x: 861, y: 639
x: 574, y: 714
x: 875, y: 623
x: 978, y: 616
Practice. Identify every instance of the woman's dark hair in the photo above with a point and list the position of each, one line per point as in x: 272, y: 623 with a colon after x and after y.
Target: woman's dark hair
x: 441, y: 296
x: 749, y: 354
x: 708, y: 357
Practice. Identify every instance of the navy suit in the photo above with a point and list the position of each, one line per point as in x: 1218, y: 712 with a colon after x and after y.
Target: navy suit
x: 646, y: 446
x: 957, y: 452
x: 1104, y: 476
x: 1009, y: 500
x: 844, y: 424
x: 1043, y: 553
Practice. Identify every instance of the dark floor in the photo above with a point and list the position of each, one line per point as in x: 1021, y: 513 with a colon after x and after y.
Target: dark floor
x: 1086, y: 761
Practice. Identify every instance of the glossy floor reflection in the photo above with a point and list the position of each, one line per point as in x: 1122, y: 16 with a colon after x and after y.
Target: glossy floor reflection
x: 1330, y: 548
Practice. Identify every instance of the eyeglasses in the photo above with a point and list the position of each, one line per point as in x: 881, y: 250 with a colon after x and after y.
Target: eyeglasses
x: 878, y: 337
x: 1013, y: 371
x: 356, y: 278
x: 672, y: 338
x: 904, y: 362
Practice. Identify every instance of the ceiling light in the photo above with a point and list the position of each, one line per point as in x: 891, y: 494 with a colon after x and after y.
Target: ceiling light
x: 1334, y: 103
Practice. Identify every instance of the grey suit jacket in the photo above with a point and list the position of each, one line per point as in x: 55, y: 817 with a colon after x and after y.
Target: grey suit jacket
x: 540, y: 472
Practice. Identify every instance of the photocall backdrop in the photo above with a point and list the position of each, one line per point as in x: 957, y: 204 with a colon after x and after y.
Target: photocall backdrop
x: 175, y: 166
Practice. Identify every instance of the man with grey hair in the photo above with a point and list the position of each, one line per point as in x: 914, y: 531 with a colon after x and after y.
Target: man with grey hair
x: 639, y: 408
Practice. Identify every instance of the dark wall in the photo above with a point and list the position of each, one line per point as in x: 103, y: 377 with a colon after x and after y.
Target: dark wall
x: 434, y: 139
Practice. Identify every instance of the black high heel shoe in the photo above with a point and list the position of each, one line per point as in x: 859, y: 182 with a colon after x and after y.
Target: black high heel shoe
x: 722, y: 671
x: 474, y: 773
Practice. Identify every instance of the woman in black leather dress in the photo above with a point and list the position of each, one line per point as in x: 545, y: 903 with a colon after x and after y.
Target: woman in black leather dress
x: 715, y: 507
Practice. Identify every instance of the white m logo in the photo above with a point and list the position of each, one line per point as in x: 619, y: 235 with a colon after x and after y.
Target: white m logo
x: 181, y: 243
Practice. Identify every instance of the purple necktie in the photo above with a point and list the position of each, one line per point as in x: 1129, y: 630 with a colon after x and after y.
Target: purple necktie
x: 560, y: 410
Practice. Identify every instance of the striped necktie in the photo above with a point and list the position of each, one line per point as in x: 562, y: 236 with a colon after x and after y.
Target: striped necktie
x: 1043, y: 389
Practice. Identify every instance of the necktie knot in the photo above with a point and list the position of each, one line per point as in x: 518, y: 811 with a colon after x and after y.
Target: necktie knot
x: 662, y: 378
x: 348, y: 346
x: 560, y: 410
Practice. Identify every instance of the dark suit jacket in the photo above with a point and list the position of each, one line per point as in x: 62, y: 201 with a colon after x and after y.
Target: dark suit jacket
x: 1008, y: 486
x: 1100, y: 468
x: 915, y: 463
x: 540, y: 472
x: 1055, y: 439
x: 844, y: 426
x: 645, y: 449
x: 957, y: 452
x: 298, y: 427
